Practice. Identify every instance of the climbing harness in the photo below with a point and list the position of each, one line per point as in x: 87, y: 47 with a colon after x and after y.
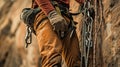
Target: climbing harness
x: 63, y: 10
x: 87, y: 31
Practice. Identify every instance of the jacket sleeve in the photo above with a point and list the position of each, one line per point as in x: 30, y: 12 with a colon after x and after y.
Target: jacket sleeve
x: 34, y: 4
x: 45, y: 5
x: 80, y: 1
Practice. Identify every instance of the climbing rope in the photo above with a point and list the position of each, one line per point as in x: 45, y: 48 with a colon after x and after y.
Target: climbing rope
x: 99, y: 20
x: 87, y: 30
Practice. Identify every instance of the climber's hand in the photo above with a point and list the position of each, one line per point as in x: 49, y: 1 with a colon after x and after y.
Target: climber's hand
x: 58, y: 22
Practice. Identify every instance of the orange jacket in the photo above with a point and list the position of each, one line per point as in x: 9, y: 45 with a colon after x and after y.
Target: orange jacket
x: 46, y: 5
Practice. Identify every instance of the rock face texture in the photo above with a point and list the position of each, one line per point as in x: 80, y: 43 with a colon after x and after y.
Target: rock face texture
x: 111, y: 37
x: 107, y: 42
x: 12, y: 32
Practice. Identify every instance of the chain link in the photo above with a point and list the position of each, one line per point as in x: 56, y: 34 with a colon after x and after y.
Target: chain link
x: 87, y: 29
x: 28, y: 37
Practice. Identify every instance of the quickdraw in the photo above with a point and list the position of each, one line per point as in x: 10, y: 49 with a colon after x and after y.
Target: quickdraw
x: 87, y: 39
x: 28, y: 37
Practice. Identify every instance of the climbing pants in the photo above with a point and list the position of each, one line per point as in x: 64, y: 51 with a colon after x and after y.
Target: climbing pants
x: 53, y: 49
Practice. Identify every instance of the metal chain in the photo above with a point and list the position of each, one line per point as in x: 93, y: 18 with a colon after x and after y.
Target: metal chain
x: 87, y: 29
x: 28, y: 37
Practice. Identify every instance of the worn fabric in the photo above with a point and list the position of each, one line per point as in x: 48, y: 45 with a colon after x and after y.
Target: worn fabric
x: 52, y: 49
x: 46, y: 5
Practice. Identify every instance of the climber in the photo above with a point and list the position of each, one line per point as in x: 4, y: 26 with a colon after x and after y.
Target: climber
x: 54, y: 29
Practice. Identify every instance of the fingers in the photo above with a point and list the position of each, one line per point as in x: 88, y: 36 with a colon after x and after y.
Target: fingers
x: 62, y: 34
x: 54, y: 28
x: 59, y: 32
x: 60, y: 27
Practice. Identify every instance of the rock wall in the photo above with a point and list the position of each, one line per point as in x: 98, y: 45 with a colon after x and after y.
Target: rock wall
x: 107, y: 53
x: 12, y: 32
x: 111, y: 38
